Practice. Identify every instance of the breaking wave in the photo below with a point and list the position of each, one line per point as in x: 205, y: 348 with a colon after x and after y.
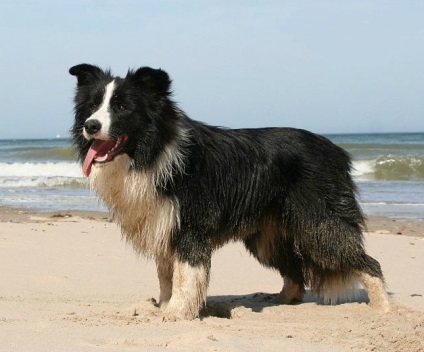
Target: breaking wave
x: 391, y: 168
x: 49, y: 174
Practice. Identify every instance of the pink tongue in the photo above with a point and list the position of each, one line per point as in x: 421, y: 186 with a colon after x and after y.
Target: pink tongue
x: 97, y: 149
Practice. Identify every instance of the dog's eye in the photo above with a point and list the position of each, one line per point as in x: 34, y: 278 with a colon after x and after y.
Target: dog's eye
x: 122, y: 107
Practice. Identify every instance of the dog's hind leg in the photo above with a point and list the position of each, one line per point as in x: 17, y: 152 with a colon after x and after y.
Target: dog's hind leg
x: 278, y: 253
x: 290, y: 266
x: 336, y: 259
x: 189, y: 290
x: 292, y: 292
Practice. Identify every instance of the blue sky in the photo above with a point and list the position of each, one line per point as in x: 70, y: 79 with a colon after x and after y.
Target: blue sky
x: 328, y: 66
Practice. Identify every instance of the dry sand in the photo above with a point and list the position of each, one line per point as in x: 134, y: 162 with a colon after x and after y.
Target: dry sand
x: 69, y: 283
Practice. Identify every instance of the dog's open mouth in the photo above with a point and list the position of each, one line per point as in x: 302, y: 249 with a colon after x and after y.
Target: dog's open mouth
x: 102, y: 151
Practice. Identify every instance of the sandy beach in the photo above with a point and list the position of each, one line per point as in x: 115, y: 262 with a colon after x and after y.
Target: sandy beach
x: 70, y: 283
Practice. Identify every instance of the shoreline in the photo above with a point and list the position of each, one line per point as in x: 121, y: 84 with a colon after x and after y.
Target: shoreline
x: 12, y: 214
x: 377, y: 224
x: 70, y: 283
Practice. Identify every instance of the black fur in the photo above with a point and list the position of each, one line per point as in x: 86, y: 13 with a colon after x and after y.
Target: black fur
x: 283, y: 189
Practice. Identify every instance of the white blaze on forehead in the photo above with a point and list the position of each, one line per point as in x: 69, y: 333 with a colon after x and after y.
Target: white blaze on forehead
x: 102, y: 114
x: 108, y: 94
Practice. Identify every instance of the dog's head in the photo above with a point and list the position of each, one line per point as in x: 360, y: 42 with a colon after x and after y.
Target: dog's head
x: 114, y: 115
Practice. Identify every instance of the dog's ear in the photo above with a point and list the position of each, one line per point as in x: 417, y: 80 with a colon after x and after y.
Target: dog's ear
x: 86, y: 73
x: 152, y: 80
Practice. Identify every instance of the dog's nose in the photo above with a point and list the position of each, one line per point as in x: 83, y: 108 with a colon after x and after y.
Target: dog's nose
x: 92, y: 126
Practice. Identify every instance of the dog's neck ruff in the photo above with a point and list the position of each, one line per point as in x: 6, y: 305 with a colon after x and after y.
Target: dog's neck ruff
x: 147, y: 218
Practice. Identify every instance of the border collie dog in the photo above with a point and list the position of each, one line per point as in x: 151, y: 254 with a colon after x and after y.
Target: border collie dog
x: 180, y: 189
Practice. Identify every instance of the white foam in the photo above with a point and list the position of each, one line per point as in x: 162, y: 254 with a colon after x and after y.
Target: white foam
x: 49, y: 169
x: 363, y: 167
x: 50, y: 174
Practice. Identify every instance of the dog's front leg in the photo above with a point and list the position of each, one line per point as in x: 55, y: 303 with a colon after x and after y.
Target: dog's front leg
x: 189, y: 290
x: 165, y: 270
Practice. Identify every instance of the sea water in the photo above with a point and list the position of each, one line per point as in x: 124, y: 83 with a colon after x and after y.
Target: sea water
x: 43, y: 174
x: 388, y: 169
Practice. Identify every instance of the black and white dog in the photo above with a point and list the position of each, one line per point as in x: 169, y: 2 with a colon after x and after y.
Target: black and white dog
x: 181, y: 189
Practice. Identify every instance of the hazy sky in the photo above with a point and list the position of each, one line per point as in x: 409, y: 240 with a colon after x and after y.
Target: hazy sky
x: 327, y: 66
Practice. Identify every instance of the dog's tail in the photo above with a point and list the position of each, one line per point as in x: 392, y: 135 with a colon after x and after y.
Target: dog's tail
x: 336, y: 265
x: 336, y: 289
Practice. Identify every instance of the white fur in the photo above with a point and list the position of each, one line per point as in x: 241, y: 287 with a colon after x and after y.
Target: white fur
x: 339, y: 290
x: 103, y: 115
x: 189, y: 290
x: 146, y: 218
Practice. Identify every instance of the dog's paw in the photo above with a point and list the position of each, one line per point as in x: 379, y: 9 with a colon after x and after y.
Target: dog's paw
x: 178, y: 314
x: 284, y: 298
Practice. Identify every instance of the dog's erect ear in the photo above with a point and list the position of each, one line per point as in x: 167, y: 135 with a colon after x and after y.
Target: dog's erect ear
x: 86, y: 73
x: 152, y: 80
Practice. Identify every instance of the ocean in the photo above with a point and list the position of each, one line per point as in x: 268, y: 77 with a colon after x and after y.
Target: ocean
x: 43, y: 175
